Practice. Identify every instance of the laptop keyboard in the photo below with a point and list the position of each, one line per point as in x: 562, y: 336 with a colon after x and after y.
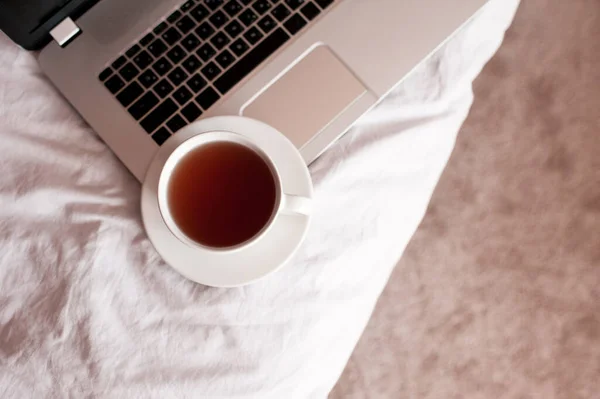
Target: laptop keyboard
x: 184, y: 65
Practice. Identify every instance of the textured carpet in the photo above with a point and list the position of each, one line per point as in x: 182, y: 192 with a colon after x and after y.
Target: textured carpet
x: 498, y: 294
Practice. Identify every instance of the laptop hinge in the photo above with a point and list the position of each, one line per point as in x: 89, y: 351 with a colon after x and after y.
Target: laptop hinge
x: 65, y: 32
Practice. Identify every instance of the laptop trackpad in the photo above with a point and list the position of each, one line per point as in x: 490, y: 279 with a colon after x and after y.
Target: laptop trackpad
x: 304, y: 100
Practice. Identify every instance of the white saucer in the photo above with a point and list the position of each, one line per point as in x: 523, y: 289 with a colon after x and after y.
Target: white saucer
x: 244, y: 265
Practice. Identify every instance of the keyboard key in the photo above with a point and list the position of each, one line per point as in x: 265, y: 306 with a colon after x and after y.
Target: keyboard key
x: 177, y: 76
x: 119, y: 62
x: 129, y: 71
x: 163, y: 88
x: 171, y: 36
x: 146, y: 40
x: 205, y: 30
x: 310, y: 11
x: 182, y: 95
x: 233, y: 7
x: 191, y: 112
x: 105, y: 74
x: 251, y: 60
x: 294, y: 24
x: 267, y: 24
x: 185, y: 24
x: 206, y: 52
x: 143, y: 59
x: 191, y: 63
x: 280, y: 12
x: 130, y: 93
x: 148, y: 78
x: 176, y: 54
x: 233, y: 29
x: 160, y: 28
x: 199, y: 13
x: 162, y: 66
x: 157, y: 48
x: 261, y: 6
x: 294, y: 4
x: 324, y: 3
x: 187, y: 5
x: 174, y: 16
x: 253, y: 35
x: 190, y: 42
x: 219, y: 40
x: 114, y: 84
x: 161, y: 135
x: 196, y: 83
x: 239, y: 47
x: 211, y: 71
x: 248, y: 17
x: 143, y: 105
x: 207, y: 98
x: 159, y: 115
x: 133, y: 50
x: 225, y: 59
x: 213, y: 4
x: 218, y: 19
x: 176, y: 123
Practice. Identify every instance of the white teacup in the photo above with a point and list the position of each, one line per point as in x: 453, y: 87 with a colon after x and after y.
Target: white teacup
x: 268, y: 249
x: 284, y: 203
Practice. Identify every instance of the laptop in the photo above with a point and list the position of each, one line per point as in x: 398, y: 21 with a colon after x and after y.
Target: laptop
x: 140, y: 70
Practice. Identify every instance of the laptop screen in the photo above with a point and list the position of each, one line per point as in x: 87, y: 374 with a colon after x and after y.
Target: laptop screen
x: 32, y: 13
x: 28, y: 22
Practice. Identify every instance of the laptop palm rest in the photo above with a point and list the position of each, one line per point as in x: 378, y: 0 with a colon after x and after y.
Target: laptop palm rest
x: 308, y: 97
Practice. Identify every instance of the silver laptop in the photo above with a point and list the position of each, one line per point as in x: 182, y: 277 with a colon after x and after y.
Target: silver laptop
x: 140, y: 70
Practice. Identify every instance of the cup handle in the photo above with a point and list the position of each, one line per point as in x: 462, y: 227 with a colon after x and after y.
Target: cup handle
x: 296, y: 205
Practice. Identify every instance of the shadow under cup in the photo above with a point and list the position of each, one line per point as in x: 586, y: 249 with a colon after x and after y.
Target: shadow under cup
x: 222, y: 193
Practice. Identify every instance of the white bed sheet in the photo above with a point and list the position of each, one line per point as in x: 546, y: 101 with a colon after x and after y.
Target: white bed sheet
x: 88, y: 309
